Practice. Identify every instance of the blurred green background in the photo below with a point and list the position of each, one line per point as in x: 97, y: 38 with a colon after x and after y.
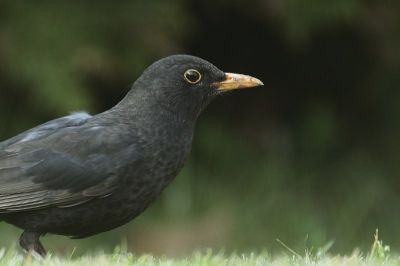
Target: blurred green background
x: 312, y: 156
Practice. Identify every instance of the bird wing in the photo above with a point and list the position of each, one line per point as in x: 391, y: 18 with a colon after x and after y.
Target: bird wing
x: 62, y: 163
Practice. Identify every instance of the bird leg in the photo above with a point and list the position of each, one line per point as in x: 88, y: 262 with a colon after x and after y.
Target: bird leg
x: 29, y: 241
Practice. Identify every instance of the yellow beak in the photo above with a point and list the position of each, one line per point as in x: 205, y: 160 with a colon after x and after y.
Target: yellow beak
x: 237, y: 81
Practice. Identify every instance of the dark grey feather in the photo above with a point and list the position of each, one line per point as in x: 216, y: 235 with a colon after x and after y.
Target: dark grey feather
x: 61, y: 163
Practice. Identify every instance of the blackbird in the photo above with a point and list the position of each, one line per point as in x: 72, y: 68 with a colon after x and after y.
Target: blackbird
x: 81, y: 175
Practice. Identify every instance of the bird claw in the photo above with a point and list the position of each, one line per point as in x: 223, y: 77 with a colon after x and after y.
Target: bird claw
x: 34, y: 254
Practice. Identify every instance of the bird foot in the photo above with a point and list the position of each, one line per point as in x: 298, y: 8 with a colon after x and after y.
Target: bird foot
x: 29, y: 241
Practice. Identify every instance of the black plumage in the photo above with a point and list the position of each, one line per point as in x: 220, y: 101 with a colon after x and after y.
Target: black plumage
x: 81, y: 175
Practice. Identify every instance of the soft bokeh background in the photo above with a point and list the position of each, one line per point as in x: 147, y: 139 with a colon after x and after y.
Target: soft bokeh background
x: 312, y: 156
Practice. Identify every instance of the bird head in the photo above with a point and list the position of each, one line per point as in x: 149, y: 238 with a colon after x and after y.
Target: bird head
x: 184, y: 85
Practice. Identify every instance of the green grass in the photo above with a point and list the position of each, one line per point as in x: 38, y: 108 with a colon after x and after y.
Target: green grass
x: 379, y: 255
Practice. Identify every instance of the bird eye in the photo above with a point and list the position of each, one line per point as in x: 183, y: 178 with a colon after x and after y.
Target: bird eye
x: 192, y: 76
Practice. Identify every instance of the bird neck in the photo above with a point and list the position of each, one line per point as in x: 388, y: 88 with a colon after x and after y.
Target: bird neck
x: 152, y: 115
x: 144, y: 108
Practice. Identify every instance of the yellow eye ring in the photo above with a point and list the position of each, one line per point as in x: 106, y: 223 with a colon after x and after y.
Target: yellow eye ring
x: 192, y: 76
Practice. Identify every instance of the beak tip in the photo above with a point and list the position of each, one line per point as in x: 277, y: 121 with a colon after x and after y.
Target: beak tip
x: 256, y: 82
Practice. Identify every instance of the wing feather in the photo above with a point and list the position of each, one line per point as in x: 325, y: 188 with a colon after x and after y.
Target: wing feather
x: 63, y: 163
